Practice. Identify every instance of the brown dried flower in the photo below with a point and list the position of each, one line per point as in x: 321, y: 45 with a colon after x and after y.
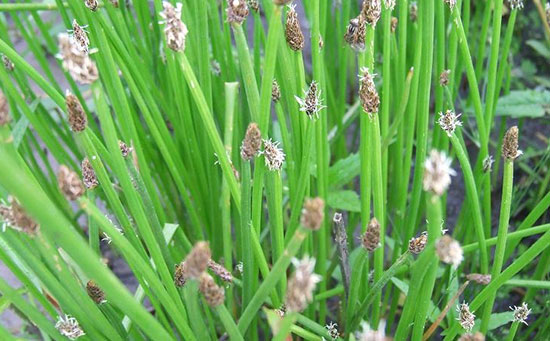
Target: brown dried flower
x: 444, y: 77
x: 413, y: 11
x: 92, y: 5
x: 312, y: 103
x: 275, y: 91
x: 448, y: 121
x: 465, y: 317
x: 355, y: 33
x: 313, y: 213
x: 68, y: 326
x: 371, y: 238
x: 125, y: 150
x: 293, y: 31
x: 4, y: 110
x: 8, y: 64
x: 252, y: 142
x: 274, y: 156
x: 370, y: 101
x: 15, y: 216
x: 371, y: 11
x: 220, y: 271
x: 213, y: 293
x: 79, y: 65
x: 237, y: 11
x: 69, y: 183
x: 196, y: 261
x: 88, y: 175
x: 417, y: 245
x: 175, y: 30
x: 179, y: 275
x: 77, y: 117
x: 254, y: 5
x: 301, y: 285
x: 394, y: 22
x: 449, y: 251
x: 80, y: 38
x: 479, y: 278
x: 510, y: 144
x: 95, y: 292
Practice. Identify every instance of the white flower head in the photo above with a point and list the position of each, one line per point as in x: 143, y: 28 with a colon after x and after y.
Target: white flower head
x: 488, y: 164
x: 516, y: 4
x: 312, y: 102
x: 368, y: 334
x: 302, y: 284
x: 521, y: 313
x: 332, y: 329
x: 175, y: 30
x: 448, y: 121
x: 274, y: 156
x: 68, y: 326
x: 449, y: 251
x: 466, y: 317
x: 437, y: 173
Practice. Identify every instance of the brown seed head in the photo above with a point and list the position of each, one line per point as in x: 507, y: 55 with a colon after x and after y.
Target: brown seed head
x: 293, y: 31
x: 312, y: 103
x: 8, y: 64
x: 213, y: 293
x: 68, y: 326
x: 88, y: 175
x: 179, y: 275
x: 237, y: 11
x: 77, y: 117
x: 394, y: 22
x: 124, y: 148
x: 275, y: 91
x: 465, y: 317
x: 196, y: 261
x: 273, y: 154
x: 95, y: 292
x: 521, y: 313
x: 370, y: 101
x: 69, y: 183
x: 78, y: 63
x: 444, y: 77
x: 80, y: 38
x: 371, y: 11
x: 510, y: 144
x: 355, y: 33
x: 175, y: 30
x: 254, y: 5
x: 413, y: 11
x: 477, y: 336
x: 220, y: 271
x: 479, y: 278
x: 91, y: 4
x: 371, y: 238
x: 252, y: 142
x: 313, y: 213
x: 448, y: 121
x: 301, y: 285
x: 4, y: 110
x: 15, y: 216
x: 417, y: 245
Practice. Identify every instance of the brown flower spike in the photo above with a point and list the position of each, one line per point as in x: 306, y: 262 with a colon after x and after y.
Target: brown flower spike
x: 293, y: 32
x: 15, y: 216
x: 275, y: 91
x: 510, y: 144
x: 417, y: 245
x: 81, y: 67
x: 80, y: 37
x: 95, y: 292
x: 237, y: 11
x: 371, y: 238
x: 4, y: 110
x: 77, y: 117
x: 313, y: 213
x: 301, y: 285
x: 213, y: 293
x: 371, y: 11
x: 355, y: 33
x: 92, y: 5
x: 252, y: 142
x: 8, y: 64
x: 479, y: 278
x: 175, y: 30
x: 444, y: 77
x: 370, y: 101
x: 69, y: 183
x: 88, y: 175
x: 220, y: 271
x: 197, y: 260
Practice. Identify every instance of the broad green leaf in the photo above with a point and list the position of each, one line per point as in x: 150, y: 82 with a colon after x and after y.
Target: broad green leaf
x: 524, y: 103
x: 540, y: 47
x: 344, y: 171
x: 344, y: 200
